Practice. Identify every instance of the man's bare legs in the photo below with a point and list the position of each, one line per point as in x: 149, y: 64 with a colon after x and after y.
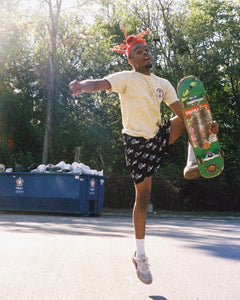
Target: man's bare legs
x: 140, y: 261
x: 191, y: 170
x: 142, y: 198
x: 177, y: 128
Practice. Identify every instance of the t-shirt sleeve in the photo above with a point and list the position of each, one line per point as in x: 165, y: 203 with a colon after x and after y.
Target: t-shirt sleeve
x: 118, y: 82
x: 170, y: 94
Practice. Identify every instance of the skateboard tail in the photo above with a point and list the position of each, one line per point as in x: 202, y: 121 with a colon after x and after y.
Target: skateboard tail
x: 211, y: 168
x: 190, y: 88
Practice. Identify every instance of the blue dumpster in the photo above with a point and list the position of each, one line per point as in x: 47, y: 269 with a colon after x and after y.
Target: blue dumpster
x: 52, y: 192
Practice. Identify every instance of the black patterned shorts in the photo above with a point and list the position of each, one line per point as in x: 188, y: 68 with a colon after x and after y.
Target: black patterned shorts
x: 143, y: 156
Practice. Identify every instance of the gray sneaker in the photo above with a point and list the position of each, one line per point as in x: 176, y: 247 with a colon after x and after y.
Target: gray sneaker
x: 142, y: 268
x: 191, y: 171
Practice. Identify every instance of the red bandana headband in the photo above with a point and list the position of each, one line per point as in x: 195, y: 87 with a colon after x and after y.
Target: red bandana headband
x: 130, y: 41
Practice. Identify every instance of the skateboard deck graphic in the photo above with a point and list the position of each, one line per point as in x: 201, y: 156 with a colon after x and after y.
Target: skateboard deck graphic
x: 198, y: 118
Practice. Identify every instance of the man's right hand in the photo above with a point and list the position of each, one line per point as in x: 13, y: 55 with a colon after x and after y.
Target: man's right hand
x: 89, y: 86
x: 75, y: 87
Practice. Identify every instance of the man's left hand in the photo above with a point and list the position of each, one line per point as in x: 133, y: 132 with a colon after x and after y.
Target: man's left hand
x: 213, y: 129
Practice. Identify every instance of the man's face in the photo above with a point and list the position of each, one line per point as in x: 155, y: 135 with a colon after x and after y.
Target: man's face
x: 140, y: 58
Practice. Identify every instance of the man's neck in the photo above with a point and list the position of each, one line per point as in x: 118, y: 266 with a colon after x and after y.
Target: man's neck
x: 144, y: 72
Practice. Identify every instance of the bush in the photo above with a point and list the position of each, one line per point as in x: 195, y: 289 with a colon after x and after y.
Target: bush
x: 176, y: 195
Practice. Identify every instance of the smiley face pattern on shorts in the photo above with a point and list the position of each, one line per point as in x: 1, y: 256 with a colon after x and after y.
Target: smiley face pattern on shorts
x: 143, y: 156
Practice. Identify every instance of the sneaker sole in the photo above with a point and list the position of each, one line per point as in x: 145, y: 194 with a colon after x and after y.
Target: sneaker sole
x: 135, y: 264
x: 192, y: 173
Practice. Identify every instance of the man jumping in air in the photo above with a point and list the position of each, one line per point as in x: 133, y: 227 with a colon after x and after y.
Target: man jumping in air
x: 146, y: 138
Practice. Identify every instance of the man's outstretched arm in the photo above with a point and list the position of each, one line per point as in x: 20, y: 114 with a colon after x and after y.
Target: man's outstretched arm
x: 89, y: 86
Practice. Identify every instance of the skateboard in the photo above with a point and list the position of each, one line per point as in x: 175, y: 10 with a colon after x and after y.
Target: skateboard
x: 198, y: 118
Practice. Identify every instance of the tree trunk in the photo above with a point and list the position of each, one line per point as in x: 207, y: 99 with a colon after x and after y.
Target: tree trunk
x: 53, y: 27
x: 50, y: 100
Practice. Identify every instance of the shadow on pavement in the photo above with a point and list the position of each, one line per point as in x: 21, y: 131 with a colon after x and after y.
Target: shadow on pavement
x: 219, y: 237
x: 66, y: 225
x: 216, y: 237
x: 157, y: 298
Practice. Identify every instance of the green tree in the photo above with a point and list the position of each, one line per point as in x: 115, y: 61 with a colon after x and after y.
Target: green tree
x: 18, y: 126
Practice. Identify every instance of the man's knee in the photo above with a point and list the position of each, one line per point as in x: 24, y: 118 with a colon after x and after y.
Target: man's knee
x: 143, y: 191
x: 142, y: 203
x: 177, y: 128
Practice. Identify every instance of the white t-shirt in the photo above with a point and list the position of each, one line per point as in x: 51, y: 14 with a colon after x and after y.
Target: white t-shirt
x: 140, y: 98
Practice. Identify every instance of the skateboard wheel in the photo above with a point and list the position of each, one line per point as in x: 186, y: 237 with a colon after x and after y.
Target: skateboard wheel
x: 221, y: 153
x: 210, y: 154
x: 200, y: 160
x: 206, y: 97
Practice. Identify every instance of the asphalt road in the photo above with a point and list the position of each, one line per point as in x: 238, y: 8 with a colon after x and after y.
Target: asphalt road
x: 72, y: 258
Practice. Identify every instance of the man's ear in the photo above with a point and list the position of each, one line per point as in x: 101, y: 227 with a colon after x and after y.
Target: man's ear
x: 130, y: 61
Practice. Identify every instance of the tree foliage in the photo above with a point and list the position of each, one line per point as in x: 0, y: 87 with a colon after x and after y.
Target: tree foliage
x: 199, y: 37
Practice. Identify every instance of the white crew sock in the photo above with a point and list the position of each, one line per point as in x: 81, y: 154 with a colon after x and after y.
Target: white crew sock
x: 140, y: 243
x: 191, y: 156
